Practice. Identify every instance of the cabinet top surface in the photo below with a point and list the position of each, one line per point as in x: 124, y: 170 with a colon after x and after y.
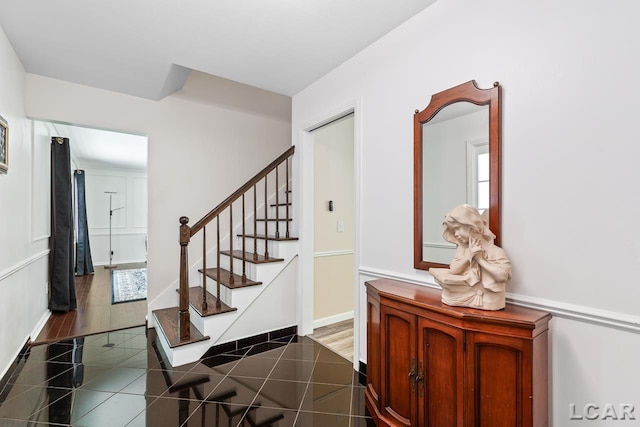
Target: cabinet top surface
x: 430, y: 298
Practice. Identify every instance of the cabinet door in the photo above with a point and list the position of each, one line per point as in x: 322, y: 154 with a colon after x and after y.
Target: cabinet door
x: 499, y: 381
x: 373, y: 351
x: 441, y: 364
x: 398, y: 343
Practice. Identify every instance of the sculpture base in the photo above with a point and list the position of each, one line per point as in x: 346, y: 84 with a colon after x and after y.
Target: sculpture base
x: 458, y: 293
x: 481, y: 298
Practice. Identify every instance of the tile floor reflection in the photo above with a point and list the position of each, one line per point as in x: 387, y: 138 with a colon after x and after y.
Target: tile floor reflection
x: 120, y: 379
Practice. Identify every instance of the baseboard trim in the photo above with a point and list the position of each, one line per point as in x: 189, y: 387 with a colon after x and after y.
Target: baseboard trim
x: 43, y: 321
x: 246, y: 342
x: 11, y: 370
x: 332, y: 319
x: 17, y: 267
x: 609, y: 319
x: 118, y: 262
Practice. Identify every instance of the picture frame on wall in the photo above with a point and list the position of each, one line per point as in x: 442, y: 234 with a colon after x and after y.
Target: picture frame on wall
x: 4, y: 145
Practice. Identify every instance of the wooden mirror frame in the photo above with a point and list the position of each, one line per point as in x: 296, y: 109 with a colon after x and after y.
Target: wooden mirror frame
x: 466, y: 92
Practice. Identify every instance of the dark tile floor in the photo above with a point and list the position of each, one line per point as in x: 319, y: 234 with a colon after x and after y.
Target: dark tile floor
x: 120, y: 379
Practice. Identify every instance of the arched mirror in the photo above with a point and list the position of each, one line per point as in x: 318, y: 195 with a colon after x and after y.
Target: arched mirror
x: 456, y: 161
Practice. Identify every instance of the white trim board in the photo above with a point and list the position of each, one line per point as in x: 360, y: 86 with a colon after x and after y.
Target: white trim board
x: 318, y: 323
x: 92, y: 231
x: 124, y: 261
x: 43, y: 321
x: 333, y: 253
x: 14, y: 269
x: 609, y: 319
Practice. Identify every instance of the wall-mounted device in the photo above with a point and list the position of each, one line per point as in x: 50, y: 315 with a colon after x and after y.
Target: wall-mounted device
x: 330, y: 205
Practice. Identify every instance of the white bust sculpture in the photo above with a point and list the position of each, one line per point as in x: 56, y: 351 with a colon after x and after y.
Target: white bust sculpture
x: 479, y: 272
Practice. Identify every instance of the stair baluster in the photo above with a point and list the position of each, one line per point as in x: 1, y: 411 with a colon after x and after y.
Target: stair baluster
x: 219, y: 301
x: 266, y: 222
x: 277, y: 207
x: 204, y: 268
x: 231, y: 280
x: 244, y: 244
x: 287, y: 196
x: 255, y: 223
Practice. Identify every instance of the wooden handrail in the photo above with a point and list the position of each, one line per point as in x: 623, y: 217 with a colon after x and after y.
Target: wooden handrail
x: 240, y: 191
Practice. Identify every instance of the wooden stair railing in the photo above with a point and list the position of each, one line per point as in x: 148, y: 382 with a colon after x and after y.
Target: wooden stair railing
x: 187, y: 232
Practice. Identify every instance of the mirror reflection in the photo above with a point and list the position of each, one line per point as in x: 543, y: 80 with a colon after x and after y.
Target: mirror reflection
x: 455, y: 170
x: 456, y: 161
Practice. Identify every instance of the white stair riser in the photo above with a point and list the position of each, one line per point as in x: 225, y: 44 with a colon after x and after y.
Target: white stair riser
x: 183, y: 354
x: 271, y: 227
x: 282, y: 210
x: 250, y: 269
x: 260, y: 243
x: 272, y: 245
x: 277, y: 249
x: 259, y: 272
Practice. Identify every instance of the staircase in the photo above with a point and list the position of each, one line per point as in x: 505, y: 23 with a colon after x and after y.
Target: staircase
x: 240, y: 273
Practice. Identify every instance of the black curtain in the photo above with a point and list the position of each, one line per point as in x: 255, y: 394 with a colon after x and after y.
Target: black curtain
x: 65, y: 372
x: 84, y: 264
x: 61, y: 265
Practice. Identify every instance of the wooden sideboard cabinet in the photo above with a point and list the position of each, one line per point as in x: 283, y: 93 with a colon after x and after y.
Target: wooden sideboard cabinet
x: 429, y: 364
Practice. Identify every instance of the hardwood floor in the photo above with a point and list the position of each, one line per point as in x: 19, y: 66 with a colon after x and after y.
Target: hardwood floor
x: 338, y: 337
x: 95, y: 312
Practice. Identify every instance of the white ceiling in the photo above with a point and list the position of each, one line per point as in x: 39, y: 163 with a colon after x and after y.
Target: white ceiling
x: 147, y: 48
x: 102, y: 149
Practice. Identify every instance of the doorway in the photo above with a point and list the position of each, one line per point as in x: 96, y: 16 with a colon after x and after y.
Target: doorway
x: 334, y: 235
x: 114, y: 166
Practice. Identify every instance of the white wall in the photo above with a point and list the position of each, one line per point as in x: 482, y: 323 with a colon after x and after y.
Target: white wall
x: 204, y: 141
x: 570, y: 157
x: 24, y: 216
x: 128, y: 225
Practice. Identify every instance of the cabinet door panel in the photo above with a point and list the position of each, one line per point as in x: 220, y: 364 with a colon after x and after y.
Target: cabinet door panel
x: 441, y: 357
x: 496, y: 366
x: 398, y: 336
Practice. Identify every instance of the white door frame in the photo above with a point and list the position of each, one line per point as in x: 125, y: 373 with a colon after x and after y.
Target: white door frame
x: 304, y: 188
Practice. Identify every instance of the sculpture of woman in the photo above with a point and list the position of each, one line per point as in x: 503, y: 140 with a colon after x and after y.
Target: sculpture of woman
x: 480, y: 270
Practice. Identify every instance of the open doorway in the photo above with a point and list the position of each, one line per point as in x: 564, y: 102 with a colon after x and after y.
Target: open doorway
x: 334, y: 235
x: 113, y: 166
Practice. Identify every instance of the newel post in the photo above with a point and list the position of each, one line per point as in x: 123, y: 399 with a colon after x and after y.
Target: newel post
x: 184, y: 324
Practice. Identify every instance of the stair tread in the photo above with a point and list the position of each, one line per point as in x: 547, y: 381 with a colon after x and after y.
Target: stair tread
x: 262, y: 237
x: 225, y: 276
x: 250, y: 257
x: 195, y: 300
x: 167, y: 320
x: 273, y: 219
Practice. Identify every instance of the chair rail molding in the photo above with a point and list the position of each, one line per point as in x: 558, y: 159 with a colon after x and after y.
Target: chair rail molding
x: 19, y: 266
x: 579, y: 313
x: 333, y: 253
